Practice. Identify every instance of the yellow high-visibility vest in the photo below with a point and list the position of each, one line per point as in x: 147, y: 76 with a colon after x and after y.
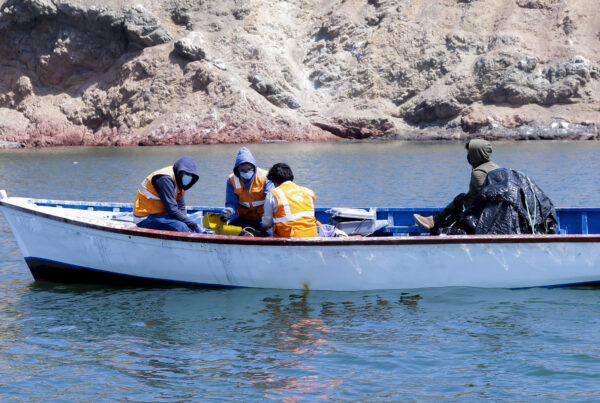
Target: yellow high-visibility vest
x: 147, y: 200
x: 295, y: 213
x: 250, y: 201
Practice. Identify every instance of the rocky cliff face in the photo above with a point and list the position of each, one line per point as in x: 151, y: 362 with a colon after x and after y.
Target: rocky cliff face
x: 206, y: 71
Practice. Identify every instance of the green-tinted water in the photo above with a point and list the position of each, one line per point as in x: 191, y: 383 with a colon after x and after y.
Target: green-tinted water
x: 63, y: 342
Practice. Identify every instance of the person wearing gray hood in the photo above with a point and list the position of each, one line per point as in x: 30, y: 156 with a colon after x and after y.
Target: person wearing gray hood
x: 479, y: 157
x: 245, y: 192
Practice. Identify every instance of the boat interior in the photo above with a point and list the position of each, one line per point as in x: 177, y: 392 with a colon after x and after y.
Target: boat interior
x: 382, y: 221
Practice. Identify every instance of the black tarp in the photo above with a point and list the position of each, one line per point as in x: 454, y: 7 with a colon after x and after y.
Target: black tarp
x: 509, y: 203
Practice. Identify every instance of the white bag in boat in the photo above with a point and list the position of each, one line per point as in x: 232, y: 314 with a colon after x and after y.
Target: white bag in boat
x: 355, y: 221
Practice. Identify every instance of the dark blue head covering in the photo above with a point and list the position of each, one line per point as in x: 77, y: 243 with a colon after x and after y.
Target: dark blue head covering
x: 185, y: 165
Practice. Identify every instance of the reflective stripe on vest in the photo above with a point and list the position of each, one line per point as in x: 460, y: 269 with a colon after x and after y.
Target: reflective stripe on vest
x: 295, y: 212
x: 236, y: 182
x: 254, y: 203
x: 147, y: 193
x: 147, y: 201
x: 250, y: 201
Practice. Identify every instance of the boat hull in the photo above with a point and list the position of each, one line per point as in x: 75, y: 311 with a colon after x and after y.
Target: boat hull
x: 59, y: 249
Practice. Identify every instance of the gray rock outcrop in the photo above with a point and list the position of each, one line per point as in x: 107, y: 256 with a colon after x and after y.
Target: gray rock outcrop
x: 191, y: 47
x: 435, y: 109
x: 60, y: 41
x: 143, y: 28
x: 139, y: 25
x: 537, y: 4
x: 559, y: 82
x: 273, y: 92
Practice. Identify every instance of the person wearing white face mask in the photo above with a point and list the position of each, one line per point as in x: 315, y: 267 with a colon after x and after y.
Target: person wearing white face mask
x: 245, y: 193
x: 159, y: 202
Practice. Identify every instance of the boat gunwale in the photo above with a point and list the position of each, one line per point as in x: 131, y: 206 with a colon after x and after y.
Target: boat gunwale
x: 353, y: 240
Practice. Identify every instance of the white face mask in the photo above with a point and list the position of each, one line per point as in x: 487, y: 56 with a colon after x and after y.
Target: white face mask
x: 186, y: 180
x: 247, y: 175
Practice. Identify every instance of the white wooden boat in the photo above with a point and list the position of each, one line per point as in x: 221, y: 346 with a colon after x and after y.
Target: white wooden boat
x: 70, y: 241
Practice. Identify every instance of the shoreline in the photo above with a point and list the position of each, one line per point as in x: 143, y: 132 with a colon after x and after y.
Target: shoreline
x: 556, y: 131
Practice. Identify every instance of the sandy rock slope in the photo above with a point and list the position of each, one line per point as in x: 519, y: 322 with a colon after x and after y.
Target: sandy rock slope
x: 208, y: 71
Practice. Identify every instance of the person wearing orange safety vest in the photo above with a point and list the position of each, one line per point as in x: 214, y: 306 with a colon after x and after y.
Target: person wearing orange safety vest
x: 289, y: 208
x: 245, y: 193
x: 159, y: 201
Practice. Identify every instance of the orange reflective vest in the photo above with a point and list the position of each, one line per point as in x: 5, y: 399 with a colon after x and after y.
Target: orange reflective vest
x: 147, y: 200
x: 295, y: 214
x: 250, y: 201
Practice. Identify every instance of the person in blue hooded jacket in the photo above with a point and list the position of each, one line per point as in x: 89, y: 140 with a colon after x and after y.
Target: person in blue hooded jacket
x: 245, y: 193
x: 159, y: 201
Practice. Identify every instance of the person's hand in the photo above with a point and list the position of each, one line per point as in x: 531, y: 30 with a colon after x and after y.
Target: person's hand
x: 226, y: 214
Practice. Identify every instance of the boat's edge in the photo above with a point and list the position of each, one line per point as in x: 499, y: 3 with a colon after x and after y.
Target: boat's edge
x: 356, y: 240
x: 350, y: 241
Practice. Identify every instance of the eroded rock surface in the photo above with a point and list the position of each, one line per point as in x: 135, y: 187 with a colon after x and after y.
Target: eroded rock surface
x: 187, y: 71
x: 560, y: 82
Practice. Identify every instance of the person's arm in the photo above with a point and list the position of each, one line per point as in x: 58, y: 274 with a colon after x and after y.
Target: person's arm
x: 166, y: 189
x: 231, y: 202
x: 270, y: 207
x: 181, y: 205
x: 231, y: 199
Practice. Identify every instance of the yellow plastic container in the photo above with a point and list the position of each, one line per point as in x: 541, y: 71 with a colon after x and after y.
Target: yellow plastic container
x: 213, y: 222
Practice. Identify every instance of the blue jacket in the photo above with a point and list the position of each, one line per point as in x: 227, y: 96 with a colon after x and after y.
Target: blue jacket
x: 166, y: 189
x: 231, y: 199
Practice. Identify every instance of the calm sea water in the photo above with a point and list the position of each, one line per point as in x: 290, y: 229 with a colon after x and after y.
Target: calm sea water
x: 83, y: 343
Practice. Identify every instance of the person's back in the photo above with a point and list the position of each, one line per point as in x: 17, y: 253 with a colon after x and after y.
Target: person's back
x: 295, y: 213
x: 479, y: 157
x: 289, y: 208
